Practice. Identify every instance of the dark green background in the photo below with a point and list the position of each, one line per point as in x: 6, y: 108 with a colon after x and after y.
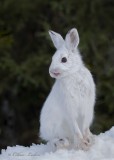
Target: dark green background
x: 25, y: 55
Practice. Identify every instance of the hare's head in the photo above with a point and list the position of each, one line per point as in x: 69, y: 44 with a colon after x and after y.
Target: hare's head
x: 66, y: 59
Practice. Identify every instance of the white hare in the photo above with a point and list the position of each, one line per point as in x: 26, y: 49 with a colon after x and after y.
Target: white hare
x: 68, y: 110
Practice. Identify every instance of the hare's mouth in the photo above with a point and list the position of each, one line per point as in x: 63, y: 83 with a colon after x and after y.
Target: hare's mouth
x: 55, y: 74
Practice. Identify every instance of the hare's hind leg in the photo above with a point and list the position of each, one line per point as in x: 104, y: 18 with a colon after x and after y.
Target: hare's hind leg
x: 60, y: 143
x: 54, y: 130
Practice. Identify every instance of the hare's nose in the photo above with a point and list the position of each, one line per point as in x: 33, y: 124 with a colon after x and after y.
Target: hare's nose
x: 55, y: 70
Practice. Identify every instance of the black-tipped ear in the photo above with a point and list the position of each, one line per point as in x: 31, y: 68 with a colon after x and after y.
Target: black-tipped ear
x: 57, y: 39
x: 72, y: 39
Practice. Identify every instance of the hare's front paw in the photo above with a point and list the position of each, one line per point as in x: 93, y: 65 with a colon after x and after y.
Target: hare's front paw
x: 82, y: 144
x: 89, y: 137
x: 60, y: 143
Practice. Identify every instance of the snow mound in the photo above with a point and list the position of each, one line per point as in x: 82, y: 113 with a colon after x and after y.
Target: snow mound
x: 103, y: 149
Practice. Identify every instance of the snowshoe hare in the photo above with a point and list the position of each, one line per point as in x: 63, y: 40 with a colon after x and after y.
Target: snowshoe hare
x: 68, y: 110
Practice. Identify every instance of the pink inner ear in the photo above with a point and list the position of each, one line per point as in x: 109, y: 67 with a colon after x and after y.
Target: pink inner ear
x: 72, y: 37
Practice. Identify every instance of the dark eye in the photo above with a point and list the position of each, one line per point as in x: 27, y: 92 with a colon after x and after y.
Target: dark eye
x: 64, y: 60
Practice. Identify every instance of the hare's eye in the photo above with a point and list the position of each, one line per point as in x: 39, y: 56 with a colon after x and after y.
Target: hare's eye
x: 64, y: 60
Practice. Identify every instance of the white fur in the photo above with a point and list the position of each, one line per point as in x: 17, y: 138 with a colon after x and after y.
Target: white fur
x: 68, y: 110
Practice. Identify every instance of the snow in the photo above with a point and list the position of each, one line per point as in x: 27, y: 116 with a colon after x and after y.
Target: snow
x: 103, y: 149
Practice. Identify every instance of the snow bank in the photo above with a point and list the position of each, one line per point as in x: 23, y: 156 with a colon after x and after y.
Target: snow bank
x: 103, y: 149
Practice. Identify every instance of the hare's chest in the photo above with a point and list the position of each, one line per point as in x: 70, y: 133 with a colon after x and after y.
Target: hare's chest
x: 76, y: 90
x: 72, y: 91
x: 67, y: 94
x: 73, y: 95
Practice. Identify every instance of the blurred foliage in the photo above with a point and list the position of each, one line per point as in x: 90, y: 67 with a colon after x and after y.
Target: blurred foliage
x: 25, y: 55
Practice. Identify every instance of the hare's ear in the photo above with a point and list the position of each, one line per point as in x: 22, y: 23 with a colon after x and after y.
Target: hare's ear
x: 56, y: 39
x: 72, y: 39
